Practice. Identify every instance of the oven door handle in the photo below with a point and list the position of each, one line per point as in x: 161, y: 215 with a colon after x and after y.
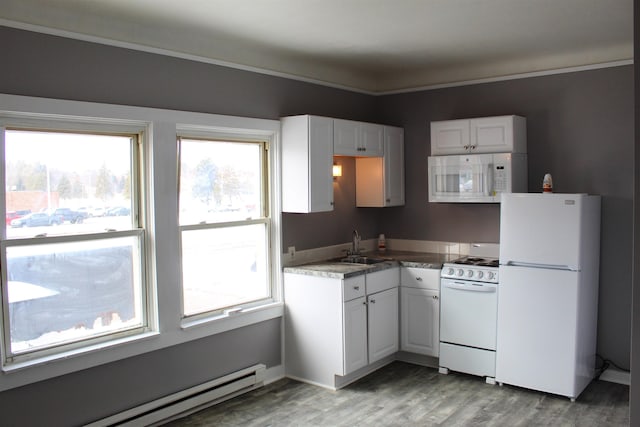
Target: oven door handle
x: 471, y: 287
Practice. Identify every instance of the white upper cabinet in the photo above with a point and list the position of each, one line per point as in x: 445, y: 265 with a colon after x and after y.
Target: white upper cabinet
x: 307, y: 160
x: 353, y: 138
x: 393, y: 166
x: 380, y: 181
x: 500, y: 134
x: 449, y: 137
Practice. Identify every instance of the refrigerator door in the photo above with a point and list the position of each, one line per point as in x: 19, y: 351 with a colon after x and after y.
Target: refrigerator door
x: 541, y: 230
x: 537, y: 330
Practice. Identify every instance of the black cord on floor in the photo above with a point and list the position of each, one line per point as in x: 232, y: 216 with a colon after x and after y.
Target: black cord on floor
x: 604, y: 365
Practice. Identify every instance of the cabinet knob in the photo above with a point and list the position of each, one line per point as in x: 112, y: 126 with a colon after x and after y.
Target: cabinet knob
x: 435, y: 297
x: 419, y: 279
x: 357, y: 288
x: 473, y: 147
x: 466, y: 147
x: 388, y: 200
x: 372, y: 301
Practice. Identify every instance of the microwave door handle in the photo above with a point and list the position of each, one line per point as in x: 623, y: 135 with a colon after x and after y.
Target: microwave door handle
x: 487, y: 180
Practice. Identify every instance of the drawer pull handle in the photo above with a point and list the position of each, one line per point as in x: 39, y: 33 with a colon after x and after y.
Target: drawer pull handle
x: 419, y: 279
x: 357, y: 288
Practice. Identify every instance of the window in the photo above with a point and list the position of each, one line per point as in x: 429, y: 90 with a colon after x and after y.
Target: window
x: 92, y: 274
x: 225, y: 223
x: 72, y: 249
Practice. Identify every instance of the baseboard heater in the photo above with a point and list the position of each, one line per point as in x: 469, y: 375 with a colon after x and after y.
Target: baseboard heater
x: 188, y: 401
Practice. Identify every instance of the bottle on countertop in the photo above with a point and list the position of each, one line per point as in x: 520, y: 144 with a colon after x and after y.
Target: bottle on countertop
x: 547, y: 184
x: 382, y: 243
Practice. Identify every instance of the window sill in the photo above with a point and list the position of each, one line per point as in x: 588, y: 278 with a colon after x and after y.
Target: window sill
x: 83, y: 351
x: 234, y: 319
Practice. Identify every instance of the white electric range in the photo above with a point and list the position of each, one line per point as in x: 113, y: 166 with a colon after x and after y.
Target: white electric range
x: 468, y: 316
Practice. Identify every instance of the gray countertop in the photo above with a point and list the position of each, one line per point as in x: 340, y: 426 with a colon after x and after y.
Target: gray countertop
x: 341, y: 270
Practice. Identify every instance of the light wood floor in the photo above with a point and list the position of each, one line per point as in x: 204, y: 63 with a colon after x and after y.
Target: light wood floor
x: 403, y: 394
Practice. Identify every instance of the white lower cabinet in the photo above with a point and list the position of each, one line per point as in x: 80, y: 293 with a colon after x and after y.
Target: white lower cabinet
x: 335, y: 327
x: 355, y: 335
x: 383, y: 324
x: 420, y: 311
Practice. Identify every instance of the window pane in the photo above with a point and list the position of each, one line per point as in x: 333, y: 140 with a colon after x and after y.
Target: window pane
x: 64, y: 292
x: 67, y: 183
x: 224, y: 267
x: 220, y: 181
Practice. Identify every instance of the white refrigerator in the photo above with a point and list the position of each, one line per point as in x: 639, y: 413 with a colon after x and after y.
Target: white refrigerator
x: 548, y: 291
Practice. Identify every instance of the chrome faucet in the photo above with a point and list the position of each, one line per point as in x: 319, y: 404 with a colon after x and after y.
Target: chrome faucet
x: 355, y: 244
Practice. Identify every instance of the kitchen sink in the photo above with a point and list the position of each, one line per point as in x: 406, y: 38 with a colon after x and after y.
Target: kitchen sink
x: 361, y: 259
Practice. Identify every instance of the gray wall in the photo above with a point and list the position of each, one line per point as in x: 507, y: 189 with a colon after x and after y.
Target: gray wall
x: 88, y: 395
x: 53, y: 67
x: 579, y: 129
x: 634, y: 398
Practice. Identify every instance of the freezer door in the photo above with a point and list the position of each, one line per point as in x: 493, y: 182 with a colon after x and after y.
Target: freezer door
x: 541, y: 229
x: 537, y: 330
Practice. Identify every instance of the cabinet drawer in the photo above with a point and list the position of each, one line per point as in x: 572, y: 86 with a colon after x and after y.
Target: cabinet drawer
x: 382, y: 280
x: 424, y: 278
x: 353, y: 288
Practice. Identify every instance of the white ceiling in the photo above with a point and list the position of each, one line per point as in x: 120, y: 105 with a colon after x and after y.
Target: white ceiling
x: 368, y: 45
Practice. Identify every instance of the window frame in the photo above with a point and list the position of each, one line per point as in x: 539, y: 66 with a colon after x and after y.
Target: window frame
x: 137, y: 133
x: 266, y: 217
x: 158, y: 205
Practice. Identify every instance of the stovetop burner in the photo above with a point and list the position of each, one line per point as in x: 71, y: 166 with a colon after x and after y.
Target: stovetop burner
x: 483, y: 262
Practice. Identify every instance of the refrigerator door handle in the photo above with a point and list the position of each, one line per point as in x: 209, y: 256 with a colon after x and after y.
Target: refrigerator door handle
x: 543, y: 266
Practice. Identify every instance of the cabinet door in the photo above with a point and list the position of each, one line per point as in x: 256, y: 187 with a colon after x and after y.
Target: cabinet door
x: 307, y: 158
x: 371, y: 140
x: 420, y: 321
x: 492, y: 134
x: 320, y: 164
x: 393, y: 166
x: 449, y: 137
x: 380, y: 181
x: 383, y: 324
x: 345, y: 138
x: 354, y: 334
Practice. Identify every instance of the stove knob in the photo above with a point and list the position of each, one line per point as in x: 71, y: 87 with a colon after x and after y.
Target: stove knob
x: 480, y: 274
x: 470, y: 273
x: 490, y: 275
x: 450, y: 271
x: 460, y: 272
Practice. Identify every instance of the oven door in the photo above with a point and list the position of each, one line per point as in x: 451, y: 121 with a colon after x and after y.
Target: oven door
x: 466, y: 178
x: 468, y: 313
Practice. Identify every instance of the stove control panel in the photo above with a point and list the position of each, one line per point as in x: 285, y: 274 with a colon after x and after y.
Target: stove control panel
x: 470, y: 273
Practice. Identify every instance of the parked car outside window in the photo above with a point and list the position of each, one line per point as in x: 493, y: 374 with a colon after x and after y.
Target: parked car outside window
x: 11, y: 215
x: 66, y: 214
x: 36, y: 219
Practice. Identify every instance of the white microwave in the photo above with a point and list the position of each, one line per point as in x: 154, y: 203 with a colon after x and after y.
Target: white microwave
x: 476, y: 178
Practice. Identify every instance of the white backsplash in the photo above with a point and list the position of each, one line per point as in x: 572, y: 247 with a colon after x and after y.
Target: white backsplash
x: 370, y: 245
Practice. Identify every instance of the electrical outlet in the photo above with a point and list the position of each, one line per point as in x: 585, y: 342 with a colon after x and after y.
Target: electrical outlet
x: 292, y: 252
